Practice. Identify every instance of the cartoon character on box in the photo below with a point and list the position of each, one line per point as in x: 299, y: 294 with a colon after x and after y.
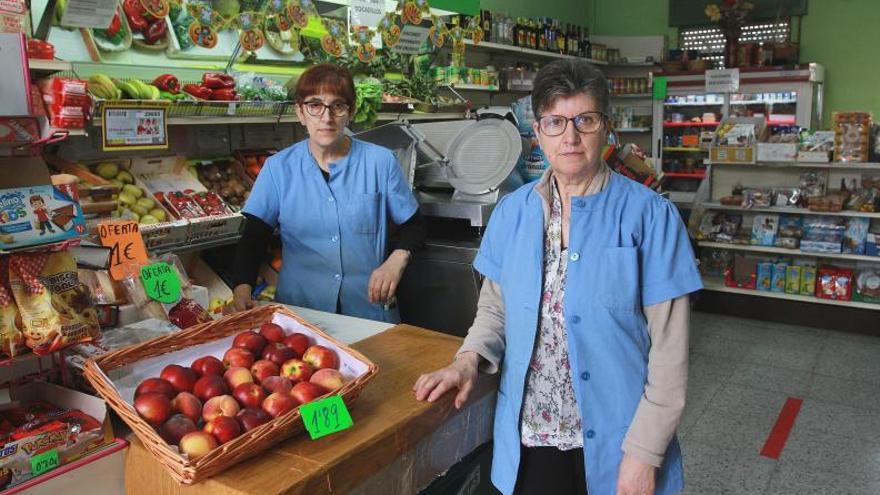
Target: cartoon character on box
x: 38, y: 206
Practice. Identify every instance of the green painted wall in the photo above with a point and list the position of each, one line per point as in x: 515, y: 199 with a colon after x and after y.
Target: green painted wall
x: 842, y: 35
x: 574, y: 11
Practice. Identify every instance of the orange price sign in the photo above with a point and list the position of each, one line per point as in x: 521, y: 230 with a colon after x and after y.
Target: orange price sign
x: 127, y: 250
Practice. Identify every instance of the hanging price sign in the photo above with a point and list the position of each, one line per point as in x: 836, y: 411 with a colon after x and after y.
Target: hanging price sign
x: 127, y: 250
x: 161, y: 282
x: 325, y: 416
x: 44, y: 462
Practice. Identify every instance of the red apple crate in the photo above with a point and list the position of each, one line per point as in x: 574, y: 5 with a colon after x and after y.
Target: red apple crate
x: 249, y: 443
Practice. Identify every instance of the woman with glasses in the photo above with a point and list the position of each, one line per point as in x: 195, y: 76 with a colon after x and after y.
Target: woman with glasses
x: 347, y: 218
x: 584, y: 309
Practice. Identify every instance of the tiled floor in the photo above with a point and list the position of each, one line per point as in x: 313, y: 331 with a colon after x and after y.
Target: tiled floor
x: 741, y: 373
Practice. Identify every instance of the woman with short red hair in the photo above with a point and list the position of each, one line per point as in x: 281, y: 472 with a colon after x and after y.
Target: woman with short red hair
x: 334, y: 199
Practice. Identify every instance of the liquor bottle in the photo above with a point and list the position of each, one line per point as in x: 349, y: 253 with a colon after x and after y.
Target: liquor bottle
x: 573, y: 41
x: 562, y: 39
x: 486, y: 25
x: 533, y: 34
x: 518, y: 32
x: 542, y: 35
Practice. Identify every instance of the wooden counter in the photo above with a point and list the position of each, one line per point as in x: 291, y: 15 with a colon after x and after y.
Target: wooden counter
x: 388, y: 422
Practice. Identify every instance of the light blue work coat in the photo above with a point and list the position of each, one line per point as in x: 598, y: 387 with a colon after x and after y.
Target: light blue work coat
x: 333, y: 234
x: 627, y: 249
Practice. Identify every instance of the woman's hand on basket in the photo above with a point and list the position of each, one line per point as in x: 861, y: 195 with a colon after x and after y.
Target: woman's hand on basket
x: 461, y: 374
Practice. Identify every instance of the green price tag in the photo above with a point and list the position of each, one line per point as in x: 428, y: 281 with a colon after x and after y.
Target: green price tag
x: 44, y: 462
x: 325, y: 416
x: 660, y: 88
x: 161, y: 282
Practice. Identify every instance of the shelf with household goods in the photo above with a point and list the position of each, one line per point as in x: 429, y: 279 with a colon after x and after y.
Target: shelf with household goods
x: 789, y: 210
x: 518, y: 50
x: 717, y: 285
x: 631, y: 95
x: 690, y: 124
x: 789, y: 252
x: 806, y: 165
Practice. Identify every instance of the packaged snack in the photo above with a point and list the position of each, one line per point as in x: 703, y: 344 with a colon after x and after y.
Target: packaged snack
x: 764, y: 229
x: 852, y: 136
x: 823, y: 234
x: 729, y: 134
x: 790, y: 232
x: 867, y: 287
x: 779, y: 273
x: 183, y: 206
x: 812, y: 185
x: 710, y: 225
x: 808, y: 280
x: 40, y: 214
x: 793, y: 279
x: 765, y: 275
x: 758, y: 198
x: 834, y: 283
x: 786, y: 196
x: 11, y: 324
x: 729, y: 228
x: 187, y: 313
x: 743, y: 272
x: 56, y: 308
x: 855, y: 235
x: 66, y: 92
x: 714, y: 262
x: 211, y: 203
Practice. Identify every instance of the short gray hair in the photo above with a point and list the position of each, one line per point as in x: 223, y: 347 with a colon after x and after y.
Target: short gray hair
x: 566, y: 78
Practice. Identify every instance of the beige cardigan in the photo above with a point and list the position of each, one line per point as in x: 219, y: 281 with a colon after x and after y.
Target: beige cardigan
x: 662, y: 404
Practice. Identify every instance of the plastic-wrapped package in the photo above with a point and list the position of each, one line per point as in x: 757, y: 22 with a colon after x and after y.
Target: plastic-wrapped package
x: 855, y: 235
x: 823, y: 234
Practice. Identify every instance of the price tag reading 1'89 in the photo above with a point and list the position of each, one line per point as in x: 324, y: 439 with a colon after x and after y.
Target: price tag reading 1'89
x: 44, y: 462
x: 326, y: 416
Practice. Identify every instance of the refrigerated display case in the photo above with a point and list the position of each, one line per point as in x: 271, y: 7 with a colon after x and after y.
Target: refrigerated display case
x: 685, y: 121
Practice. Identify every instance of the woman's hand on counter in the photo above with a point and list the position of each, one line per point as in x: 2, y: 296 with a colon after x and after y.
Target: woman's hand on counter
x: 241, y: 300
x: 384, y: 280
x: 461, y: 374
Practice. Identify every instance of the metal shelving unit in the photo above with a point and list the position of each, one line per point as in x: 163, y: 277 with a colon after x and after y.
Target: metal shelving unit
x: 715, y: 285
x: 789, y: 252
x: 791, y: 211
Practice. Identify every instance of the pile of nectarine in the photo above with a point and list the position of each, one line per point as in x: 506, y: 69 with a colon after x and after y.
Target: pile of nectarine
x: 264, y: 375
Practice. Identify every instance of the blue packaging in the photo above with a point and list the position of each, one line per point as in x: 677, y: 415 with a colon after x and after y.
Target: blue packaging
x: 532, y: 163
x: 765, y: 276
x: 778, y: 282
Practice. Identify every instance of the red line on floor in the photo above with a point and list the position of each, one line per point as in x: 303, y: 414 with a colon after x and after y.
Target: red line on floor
x: 779, y: 434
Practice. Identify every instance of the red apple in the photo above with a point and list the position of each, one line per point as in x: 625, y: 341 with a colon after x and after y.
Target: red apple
x: 251, y: 341
x: 321, y: 357
x: 181, y: 378
x: 272, y: 332
x: 222, y: 405
x: 235, y: 376
x: 298, y: 342
x: 156, y: 385
x: 263, y: 369
x: 187, y: 404
x: 176, y: 427
x: 209, y: 386
x: 297, y: 370
x: 238, y: 357
x: 328, y: 379
x: 278, y: 353
x: 197, y: 444
x: 277, y: 404
x: 249, y: 395
x: 223, y: 428
x: 153, y: 407
x: 208, y: 365
x: 277, y: 384
x: 251, y: 418
x: 304, y: 392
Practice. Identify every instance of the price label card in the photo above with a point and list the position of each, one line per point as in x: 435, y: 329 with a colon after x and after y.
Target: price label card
x: 44, y: 462
x: 134, y: 128
x: 88, y: 13
x: 127, y: 250
x: 325, y: 416
x: 161, y: 282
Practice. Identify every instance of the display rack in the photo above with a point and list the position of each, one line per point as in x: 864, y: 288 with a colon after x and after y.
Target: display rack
x: 517, y: 50
x: 716, y: 285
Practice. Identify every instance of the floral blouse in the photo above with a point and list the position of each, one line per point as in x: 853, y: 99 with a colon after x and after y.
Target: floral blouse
x: 550, y: 415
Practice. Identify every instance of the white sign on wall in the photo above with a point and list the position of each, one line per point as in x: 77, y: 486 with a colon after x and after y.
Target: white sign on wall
x: 367, y: 13
x: 722, y: 81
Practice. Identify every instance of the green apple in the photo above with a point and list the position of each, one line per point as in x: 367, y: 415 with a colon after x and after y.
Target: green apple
x: 146, y: 202
x: 149, y: 219
x: 135, y: 191
x: 107, y: 170
x: 125, y: 177
x: 126, y: 199
x: 116, y: 182
x: 159, y: 214
x: 140, y: 210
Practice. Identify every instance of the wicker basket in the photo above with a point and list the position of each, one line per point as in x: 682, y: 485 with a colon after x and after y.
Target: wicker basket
x: 249, y: 443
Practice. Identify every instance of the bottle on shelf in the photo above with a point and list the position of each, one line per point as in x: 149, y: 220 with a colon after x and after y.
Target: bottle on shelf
x: 562, y: 40
x: 486, y: 25
x: 533, y: 34
x: 543, y: 31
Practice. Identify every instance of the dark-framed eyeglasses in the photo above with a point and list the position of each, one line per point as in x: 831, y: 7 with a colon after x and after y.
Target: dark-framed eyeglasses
x: 316, y: 108
x: 584, y: 123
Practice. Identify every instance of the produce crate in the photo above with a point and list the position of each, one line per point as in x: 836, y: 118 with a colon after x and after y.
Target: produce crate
x: 115, y: 376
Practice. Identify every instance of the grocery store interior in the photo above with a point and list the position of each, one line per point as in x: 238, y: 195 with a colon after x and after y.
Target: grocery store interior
x: 188, y: 306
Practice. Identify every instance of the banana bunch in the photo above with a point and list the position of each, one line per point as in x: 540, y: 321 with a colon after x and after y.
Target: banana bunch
x: 101, y: 86
x: 134, y: 89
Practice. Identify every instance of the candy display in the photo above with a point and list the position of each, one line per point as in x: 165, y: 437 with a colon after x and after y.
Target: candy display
x: 834, y: 283
x: 867, y: 285
x: 852, y: 136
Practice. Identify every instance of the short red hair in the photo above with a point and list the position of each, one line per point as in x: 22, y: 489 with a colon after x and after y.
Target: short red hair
x: 325, y: 78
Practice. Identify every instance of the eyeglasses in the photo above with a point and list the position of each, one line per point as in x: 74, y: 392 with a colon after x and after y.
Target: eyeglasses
x: 585, y: 123
x: 316, y: 108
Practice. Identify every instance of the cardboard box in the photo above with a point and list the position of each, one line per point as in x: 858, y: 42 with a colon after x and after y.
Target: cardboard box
x: 723, y: 152
x: 813, y: 156
x: 15, y: 456
x: 168, y: 174
x: 777, y: 152
x: 732, y: 154
x: 32, y: 211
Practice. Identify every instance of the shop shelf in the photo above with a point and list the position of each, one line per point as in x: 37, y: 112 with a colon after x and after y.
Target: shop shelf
x: 49, y: 66
x: 716, y: 285
x: 632, y: 95
x: 632, y: 64
x: 207, y: 244
x: 273, y: 119
x: 683, y: 198
x: 685, y: 175
x: 634, y: 129
x: 792, y: 211
x: 684, y: 149
x: 498, y: 47
x: 830, y: 165
x: 690, y: 124
x: 789, y: 252
x: 692, y: 104
x: 475, y: 87
x: 781, y: 122
x: 752, y: 102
